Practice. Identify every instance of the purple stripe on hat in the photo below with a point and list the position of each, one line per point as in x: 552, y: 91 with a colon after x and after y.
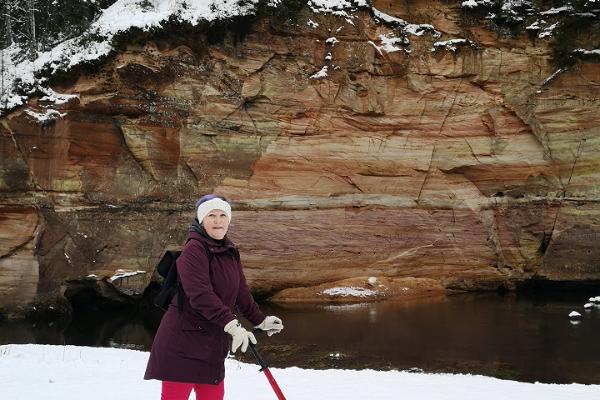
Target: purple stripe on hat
x: 210, y: 197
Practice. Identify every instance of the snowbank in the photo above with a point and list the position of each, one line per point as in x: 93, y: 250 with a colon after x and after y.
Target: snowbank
x: 76, y: 373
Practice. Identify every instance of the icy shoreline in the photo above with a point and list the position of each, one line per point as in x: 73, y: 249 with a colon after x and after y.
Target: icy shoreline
x: 73, y: 373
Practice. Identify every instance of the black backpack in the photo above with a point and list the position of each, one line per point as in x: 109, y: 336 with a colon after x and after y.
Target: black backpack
x: 171, y: 285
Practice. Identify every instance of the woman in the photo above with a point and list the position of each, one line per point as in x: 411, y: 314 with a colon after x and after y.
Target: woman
x: 190, y: 345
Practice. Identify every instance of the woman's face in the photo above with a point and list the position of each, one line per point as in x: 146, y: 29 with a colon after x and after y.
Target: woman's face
x: 216, y: 224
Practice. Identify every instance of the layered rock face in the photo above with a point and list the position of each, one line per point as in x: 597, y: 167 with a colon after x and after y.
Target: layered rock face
x: 464, y: 168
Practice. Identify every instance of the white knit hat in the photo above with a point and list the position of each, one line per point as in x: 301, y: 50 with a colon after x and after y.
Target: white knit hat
x: 215, y: 203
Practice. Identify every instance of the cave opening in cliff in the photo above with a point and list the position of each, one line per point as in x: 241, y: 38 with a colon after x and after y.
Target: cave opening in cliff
x: 89, y: 295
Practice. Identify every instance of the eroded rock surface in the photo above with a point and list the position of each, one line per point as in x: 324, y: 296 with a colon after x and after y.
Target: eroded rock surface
x: 466, y: 168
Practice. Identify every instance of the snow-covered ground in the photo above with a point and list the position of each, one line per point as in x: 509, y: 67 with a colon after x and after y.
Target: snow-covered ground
x: 43, y: 372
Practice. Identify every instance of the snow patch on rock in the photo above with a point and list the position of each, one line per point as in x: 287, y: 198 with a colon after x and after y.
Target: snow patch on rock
x: 321, y: 74
x: 452, y: 44
x: 349, y: 291
x: 121, y: 273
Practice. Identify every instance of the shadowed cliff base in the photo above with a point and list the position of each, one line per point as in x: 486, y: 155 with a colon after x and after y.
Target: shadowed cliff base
x: 549, y: 288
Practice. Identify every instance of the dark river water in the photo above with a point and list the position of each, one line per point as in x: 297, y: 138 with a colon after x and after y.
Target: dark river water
x: 525, y: 338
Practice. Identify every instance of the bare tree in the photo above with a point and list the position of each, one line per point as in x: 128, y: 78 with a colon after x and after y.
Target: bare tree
x: 1, y: 73
x: 7, y: 19
x: 16, y: 17
x: 32, y: 37
x: 7, y: 40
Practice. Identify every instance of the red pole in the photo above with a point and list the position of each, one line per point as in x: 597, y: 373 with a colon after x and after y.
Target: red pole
x: 274, y: 384
x: 265, y: 368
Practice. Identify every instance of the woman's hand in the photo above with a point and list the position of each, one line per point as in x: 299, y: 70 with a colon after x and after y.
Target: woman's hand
x: 271, y: 325
x: 240, y: 336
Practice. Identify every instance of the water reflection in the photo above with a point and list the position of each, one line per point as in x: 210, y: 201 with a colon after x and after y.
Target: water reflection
x: 508, y: 337
x: 528, y: 339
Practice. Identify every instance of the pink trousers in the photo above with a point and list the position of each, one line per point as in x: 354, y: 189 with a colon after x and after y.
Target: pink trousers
x: 181, y: 391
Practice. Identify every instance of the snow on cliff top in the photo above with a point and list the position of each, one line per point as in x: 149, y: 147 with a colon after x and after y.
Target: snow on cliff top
x: 119, y: 17
x: 20, y: 73
x: 126, y: 14
x: 21, y: 77
x: 75, y: 373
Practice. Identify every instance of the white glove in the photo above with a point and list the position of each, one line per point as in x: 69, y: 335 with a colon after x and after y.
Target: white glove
x: 271, y: 325
x: 240, y: 336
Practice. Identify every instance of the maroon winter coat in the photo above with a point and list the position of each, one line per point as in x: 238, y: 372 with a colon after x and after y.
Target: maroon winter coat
x: 191, y: 346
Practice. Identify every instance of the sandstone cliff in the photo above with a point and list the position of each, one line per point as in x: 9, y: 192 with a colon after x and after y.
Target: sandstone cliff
x: 346, y: 154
